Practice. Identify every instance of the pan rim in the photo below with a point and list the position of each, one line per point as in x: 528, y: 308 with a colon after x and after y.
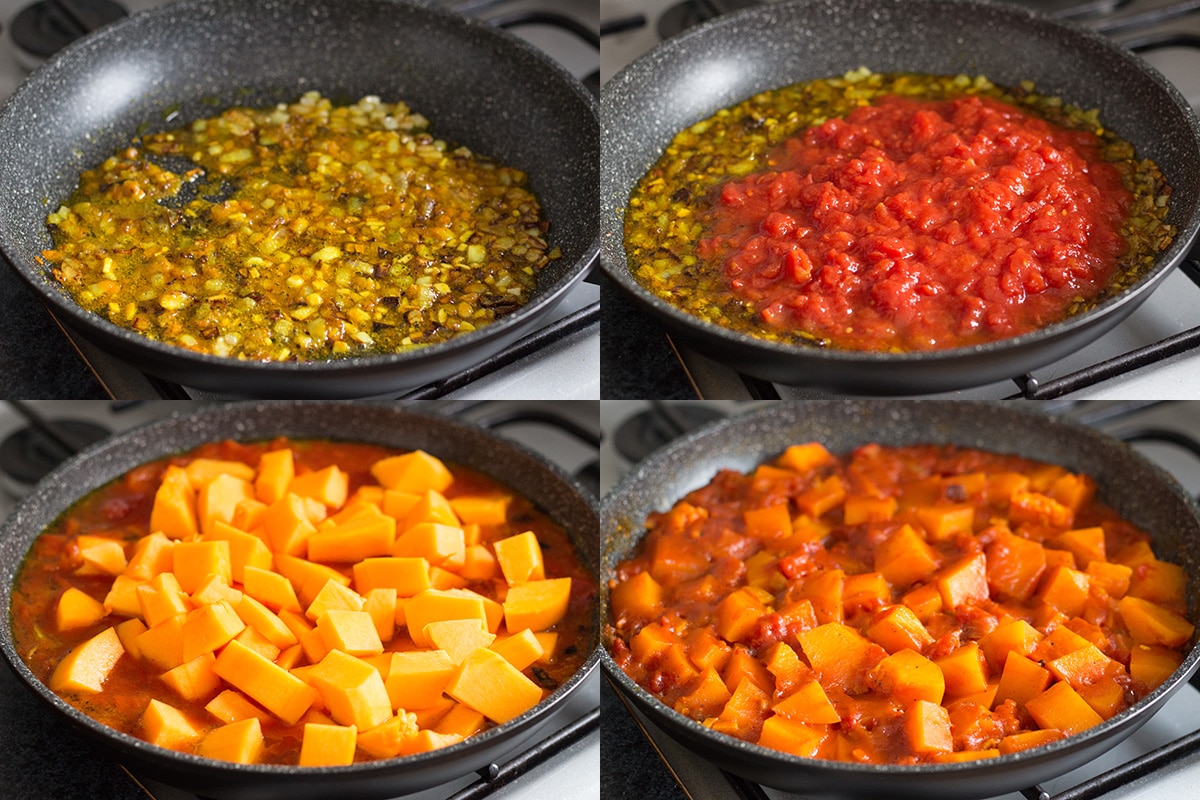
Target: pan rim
x: 615, y: 262
x: 17, y: 544
x: 842, y: 410
x: 496, y: 333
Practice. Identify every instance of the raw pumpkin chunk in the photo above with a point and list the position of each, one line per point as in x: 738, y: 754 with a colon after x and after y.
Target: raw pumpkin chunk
x: 174, y: 510
x: 355, y: 510
x: 408, y: 576
x: 201, y: 471
x: 790, y: 736
x: 260, y: 644
x: 927, y: 727
x: 245, y: 549
x: 381, y: 605
x: 307, y: 577
x: 481, y: 509
x: 287, y: 526
x: 385, y: 741
x: 427, y: 741
x: 208, y: 628
x: 248, y: 516
x: 398, y: 504
x: 105, y: 557
x: 194, y: 680
x: 270, y: 588
x: 328, y: 745
x: 537, y: 604
x: 122, y: 598
x: 127, y: 632
x: 522, y: 650
x: 432, y: 507
x: 192, y: 562
x: 161, y: 598
x: 1150, y: 623
x: 213, y: 589
x: 433, y: 605
x: 458, y: 638
x: 416, y: 679
x: 334, y: 595
x: 240, y: 742
x: 430, y: 716
x: 493, y: 687
x: 217, y: 500
x: 909, y: 676
x: 479, y: 563
x: 440, y: 578
x: 415, y: 472
x: 329, y: 486
x: 520, y: 558
x: 431, y: 541
x: 809, y: 704
x: 272, y: 687
x: 351, y: 631
x: 231, y: 706
x: 266, y: 622
x: 352, y: 689
x: 87, y: 666
x: 350, y: 542
x: 276, y: 468
x: 290, y: 657
x: 151, y: 555
x: 461, y: 721
x: 1061, y: 707
x: 162, y: 644
x: 167, y: 726
x: 77, y: 609
x: 897, y: 628
x: 905, y: 557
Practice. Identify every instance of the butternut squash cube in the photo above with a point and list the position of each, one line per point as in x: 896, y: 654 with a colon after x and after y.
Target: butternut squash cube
x: 432, y: 507
x: 1061, y: 707
x: 481, y: 509
x: 231, y: 706
x: 493, y: 687
x: 240, y: 742
x: 366, y: 537
x: 771, y: 522
x: 276, y: 468
x: 520, y: 558
x: 334, y: 596
x: 408, y: 576
x: 837, y: 652
x: 1021, y: 680
x: 350, y: 631
x: 1016, y: 636
x: 201, y: 471
x: 427, y: 741
x: 287, y: 525
x: 77, y: 609
x: 416, y: 679
x: 536, y: 605
x: 307, y: 577
x: 217, y: 500
x: 791, y: 736
x: 415, y: 472
x: 352, y: 689
x: 927, y: 726
x: 151, y: 555
x: 167, y: 726
x: 808, y: 704
x: 946, y: 522
x: 461, y: 721
x: 964, y: 583
x: 458, y: 638
x: 195, y: 561
x: 1151, y: 665
x: 905, y: 557
x: 162, y: 644
x: 738, y: 613
x: 1152, y: 624
x: 329, y: 486
x: 381, y: 605
x: 214, y: 589
x: 245, y: 549
x: 260, y: 644
x: 522, y: 650
x: 127, y: 632
x: 479, y: 563
x: 161, y: 598
x: 897, y: 628
x: 210, y: 627
x: 431, y: 541
x: 1014, y: 566
x: 433, y: 605
x: 87, y: 666
x: 708, y: 697
x: 909, y: 676
x: 1160, y: 582
x: 174, y: 511
x: 1065, y: 589
x: 266, y: 622
x: 194, y: 680
x: 328, y: 745
x: 386, y: 740
x: 964, y: 670
x: 272, y: 687
x: 104, y: 557
x: 1113, y: 578
x: 805, y: 457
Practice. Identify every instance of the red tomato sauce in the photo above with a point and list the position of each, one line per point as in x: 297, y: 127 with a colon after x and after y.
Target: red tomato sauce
x: 919, y: 225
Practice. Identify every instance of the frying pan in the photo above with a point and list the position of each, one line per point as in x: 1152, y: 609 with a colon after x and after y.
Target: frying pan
x: 479, y: 86
x: 548, y: 487
x: 693, y: 75
x: 1134, y: 487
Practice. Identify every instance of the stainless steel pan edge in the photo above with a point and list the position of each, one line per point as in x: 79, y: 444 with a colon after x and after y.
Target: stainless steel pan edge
x: 1141, y: 491
x: 552, y: 490
x: 735, y: 56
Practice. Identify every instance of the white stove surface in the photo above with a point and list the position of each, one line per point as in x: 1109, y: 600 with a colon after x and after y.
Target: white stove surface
x: 1173, y: 47
x: 567, y: 370
x: 1181, y: 714
x: 572, y: 774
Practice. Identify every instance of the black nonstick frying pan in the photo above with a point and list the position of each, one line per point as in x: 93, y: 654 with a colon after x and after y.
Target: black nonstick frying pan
x: 478, y: 85
x: 693, y: 75
x: 548, y: 487
x: 1134, y: 487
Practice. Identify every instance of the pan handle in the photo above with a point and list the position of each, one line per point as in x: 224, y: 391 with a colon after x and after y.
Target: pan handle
x: 519, y: 18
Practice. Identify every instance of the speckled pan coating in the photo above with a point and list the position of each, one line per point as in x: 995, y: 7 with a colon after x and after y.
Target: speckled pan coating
x: 692, y: 76
x: 1132, y: 485
x: 478, y: 85
x: 552, y: 490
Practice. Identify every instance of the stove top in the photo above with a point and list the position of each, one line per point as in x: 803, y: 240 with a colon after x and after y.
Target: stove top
x: 1153, y: 353
x: 42, y: 760
x: 561, y: 360
x: 1161, y: 760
